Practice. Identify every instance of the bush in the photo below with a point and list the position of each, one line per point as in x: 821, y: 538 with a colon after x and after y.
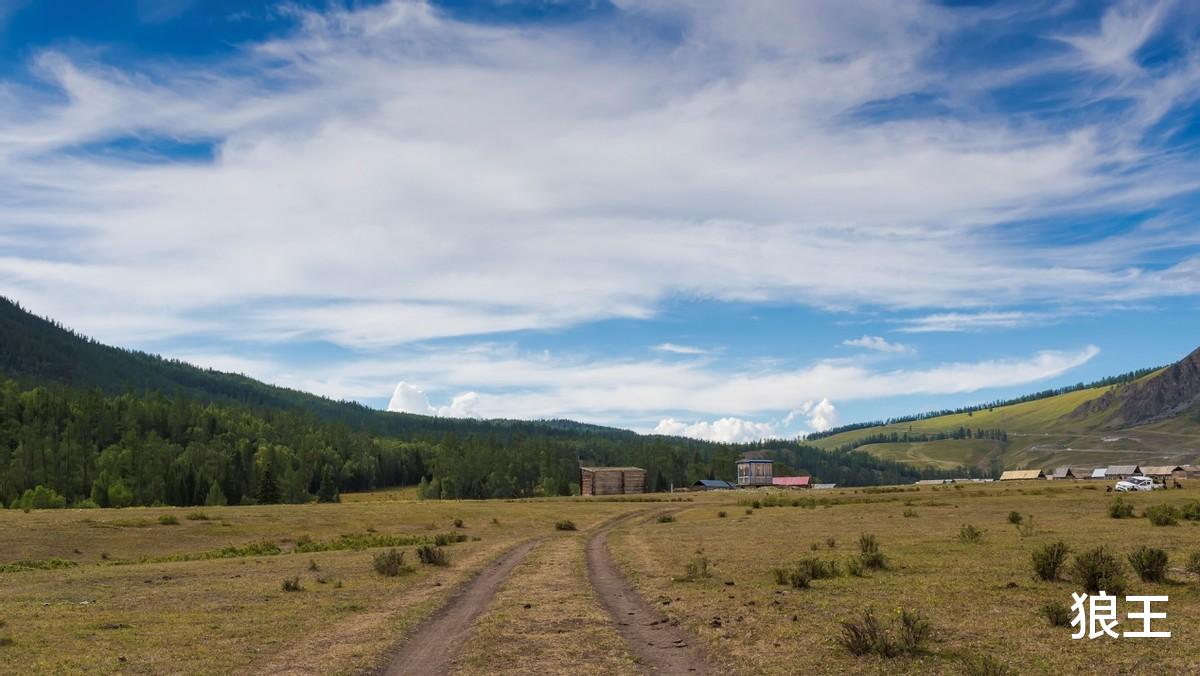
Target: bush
x: 1193, y: 563
x: 458, y: 523
x: 867, y: 635
x: 817, y: 569
x: 909, y: 513
x: 433, y: 556
x: 720, y: 515
x: 1057, y: 614
x: 168, y: 520
x: 1098, y: 570
x: 1149, y: 563
x: 1026, y: 529
x: 666, y: 518
x: 86, y: 503
x: 1191, y: 510
x: 912, y: 633
x: 757, y: 504
x: 390, y: 563
x: 697, y: 568
x: 291, y: 584
x: 984, y: 665
x: 1120, y: 509
x: 197, y: 516
x: 565, y: 524
x: 1048, y: 560
x: 869, y: 552
x: 444, y: 539
x: 312, y: 565
x: 1015, y: 518
x: 831, y: 543
x: 856, y: 567
x: 39, y: 497
x: 970, y: 534
x: 1162, y: 515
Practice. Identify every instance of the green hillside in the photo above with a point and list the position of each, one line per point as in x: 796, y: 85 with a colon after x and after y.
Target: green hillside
x: 1067, y: 428
x: 118, y: 427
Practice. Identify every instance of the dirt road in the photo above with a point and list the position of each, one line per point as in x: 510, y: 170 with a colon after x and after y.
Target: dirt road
x: 432, y: 648
x: 660, y: 647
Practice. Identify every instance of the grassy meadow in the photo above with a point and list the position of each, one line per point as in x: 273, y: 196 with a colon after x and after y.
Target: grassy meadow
x: 186, y: 590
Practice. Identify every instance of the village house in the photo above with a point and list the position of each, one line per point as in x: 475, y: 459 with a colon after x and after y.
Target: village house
x: 792, y: 482
x: 1119, y: 472
x: 712, y: 485
x: 612, y: 480
x: 1022, y: 474
x: 752, y: 473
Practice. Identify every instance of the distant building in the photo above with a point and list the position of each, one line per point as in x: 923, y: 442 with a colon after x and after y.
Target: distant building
x: 752, y: 473
x: 823, y: 487
x: 932, y: 482
x: 1062, y: 473
x: 612, y: 480
x: 712, y: 485
x: 1099, y: 473
x: 1121, y: 471
x: 792, y: 482
x: 1022, y: 474
x: 1164, y: 472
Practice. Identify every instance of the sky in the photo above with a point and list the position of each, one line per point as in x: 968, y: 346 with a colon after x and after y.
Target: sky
x: 730, y: 221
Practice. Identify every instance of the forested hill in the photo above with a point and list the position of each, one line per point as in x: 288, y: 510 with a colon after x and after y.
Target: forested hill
x: 85, y: 423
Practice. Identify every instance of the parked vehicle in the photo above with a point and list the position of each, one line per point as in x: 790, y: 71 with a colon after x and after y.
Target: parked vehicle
x: 1136, y: 483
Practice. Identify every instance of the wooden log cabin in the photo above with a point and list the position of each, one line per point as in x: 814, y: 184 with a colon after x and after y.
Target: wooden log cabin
x: 754, y: 472
x: 612, y: 480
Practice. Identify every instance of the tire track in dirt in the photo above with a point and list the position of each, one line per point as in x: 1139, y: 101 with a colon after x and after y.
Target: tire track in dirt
x: 433, y: 646
x: 661, y: 647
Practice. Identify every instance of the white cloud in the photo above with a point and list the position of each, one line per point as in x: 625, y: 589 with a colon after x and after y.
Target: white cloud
x: 822, y: 415
x: 960, y: 322
x: 407, y: 398
x: 680, y: 349
x: 388, y: 174
x: 879, y: 344
x: 726, y: 430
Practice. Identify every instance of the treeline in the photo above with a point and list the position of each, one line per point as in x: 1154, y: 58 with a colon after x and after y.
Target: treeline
x: 904, y: 437
x: 1044, y: 394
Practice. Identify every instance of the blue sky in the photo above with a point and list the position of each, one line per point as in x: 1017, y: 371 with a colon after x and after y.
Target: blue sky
x: 692, y: 217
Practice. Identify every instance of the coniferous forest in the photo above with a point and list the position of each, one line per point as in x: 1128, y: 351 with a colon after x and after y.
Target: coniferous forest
x: 96, y: 425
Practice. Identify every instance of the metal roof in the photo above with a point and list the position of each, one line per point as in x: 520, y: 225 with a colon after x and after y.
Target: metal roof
x: 714, y: 483
x: 1122, y: 469
x: 612, y: 469
x: 1161, y: 470
x: 791, y: 480
x: 1099, y: 472
x: 756, y: 460
x: 1063, y: 472
x: 1018, y: 474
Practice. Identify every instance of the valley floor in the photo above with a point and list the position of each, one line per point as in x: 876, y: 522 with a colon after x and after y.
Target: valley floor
x: 202, y: 592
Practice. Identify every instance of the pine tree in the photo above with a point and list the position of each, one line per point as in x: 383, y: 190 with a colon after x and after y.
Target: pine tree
x: 268, y: 490
x: 328, y: 491
x: 216, y: 498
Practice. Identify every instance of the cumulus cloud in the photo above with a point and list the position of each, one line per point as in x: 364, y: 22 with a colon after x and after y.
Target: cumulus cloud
x: 879, y: 344
x: 408, y: 398
x: 414, y: 176
x: 822, y: 415
x: 726, y: 430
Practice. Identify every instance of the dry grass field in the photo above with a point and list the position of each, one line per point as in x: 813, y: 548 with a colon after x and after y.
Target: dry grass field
x: 139, y: 596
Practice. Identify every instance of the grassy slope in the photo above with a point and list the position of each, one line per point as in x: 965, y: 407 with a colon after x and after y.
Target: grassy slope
x: 1039, y: 436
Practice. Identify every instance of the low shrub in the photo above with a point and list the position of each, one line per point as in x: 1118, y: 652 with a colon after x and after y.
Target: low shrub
x: 1057, y: 614
x: 721, y: 515
x: 666, y: 518
x: 390, y: 563
x: 856, y: 567
x: 1048, y: 560
x: 1190, y: 510
x: 444, y: 539
x: 869, y: 552
x: 1120, y: 509
x: 1098, y: 570
x: 6, y: 641
x: 458, y: 523
x: 291, y: 584
x: 312, y: 565
x: 867, y: 635
x: 39, y: 497
x: 984, y: 665
x: 970, y: 534
x: 757, y: 504
x: 1026, y: 529
x: 168, y: 520
x: 818, y: 569
x: 831, y: 543
x: 749, y: 511
x: 433, y: 556
x: 1162, y: 515
x: 565, y: 524
x: 197, y: 516
x: 1149, y: 563
x: 909, y: 513
x: 697, y: 568
x: 1015, y: 518
x: 1193, y: 563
